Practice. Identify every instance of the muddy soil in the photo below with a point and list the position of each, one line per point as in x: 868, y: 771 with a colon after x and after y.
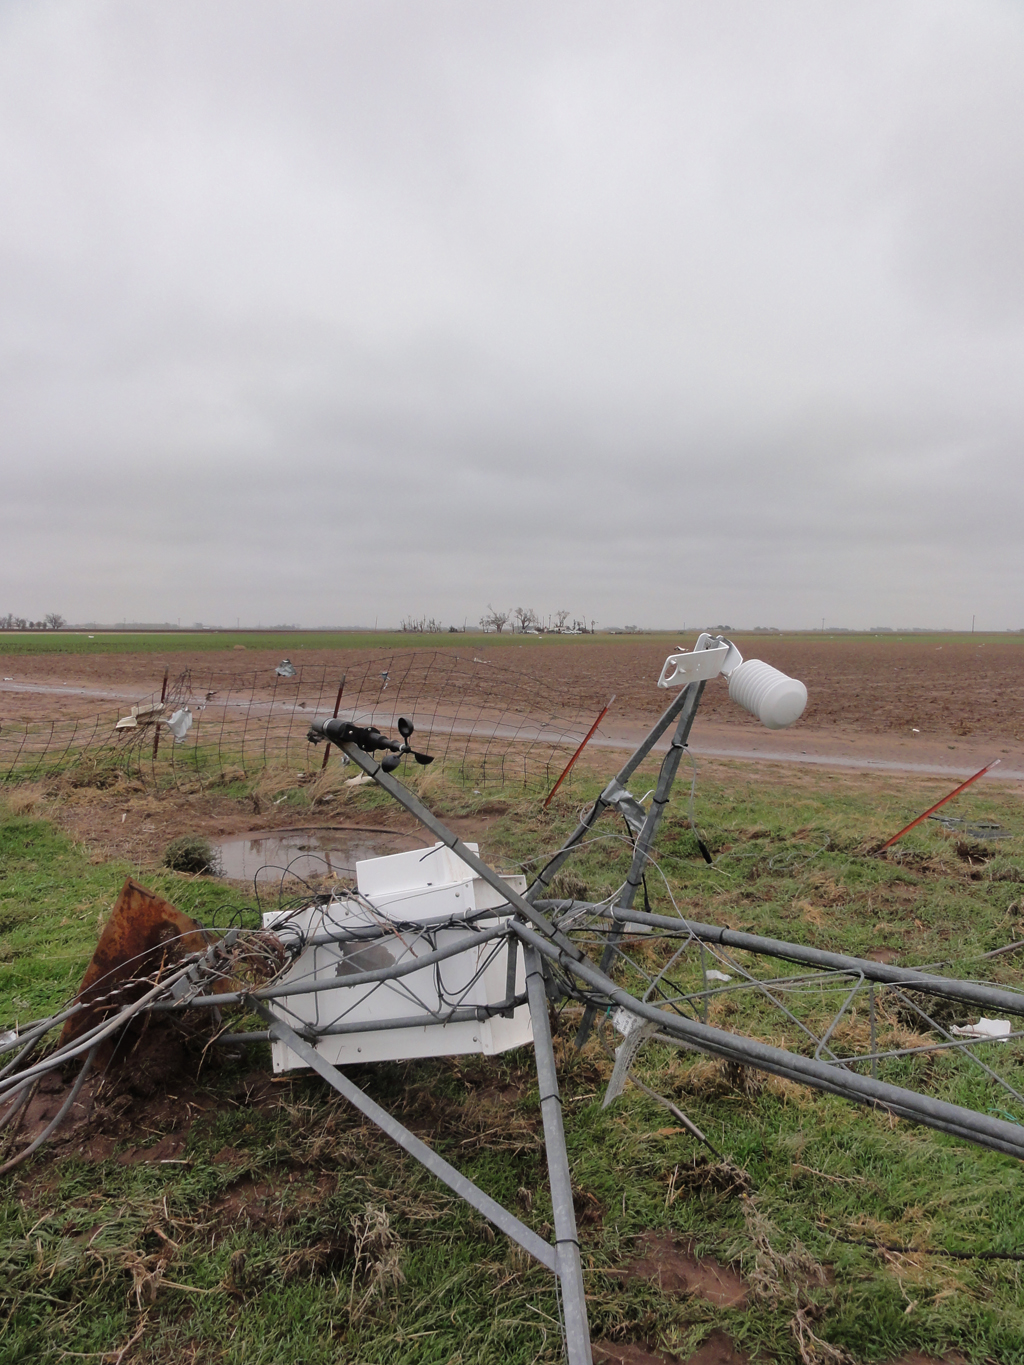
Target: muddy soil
x: 717, y: 1349
x: 877, y: 685
x: 913, y: 700
x: 137, y: 826
x: 672, y: 1264
x: 152, y: 1083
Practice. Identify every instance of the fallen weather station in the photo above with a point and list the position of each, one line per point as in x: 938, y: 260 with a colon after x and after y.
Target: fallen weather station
x: 432, y: 952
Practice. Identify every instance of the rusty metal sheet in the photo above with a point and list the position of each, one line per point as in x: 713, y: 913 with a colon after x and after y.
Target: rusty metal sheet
x: 144, y: 934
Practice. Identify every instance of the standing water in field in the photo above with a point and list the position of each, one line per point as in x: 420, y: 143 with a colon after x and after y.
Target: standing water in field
x: 267, y: 854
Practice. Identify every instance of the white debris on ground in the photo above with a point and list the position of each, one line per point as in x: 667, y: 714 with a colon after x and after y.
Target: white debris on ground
x: 984, y: 1028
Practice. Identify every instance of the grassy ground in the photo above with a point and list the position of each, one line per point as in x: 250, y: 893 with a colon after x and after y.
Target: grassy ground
x: 153, y: 642
x: 289, y: 1230
x: 165, y: 642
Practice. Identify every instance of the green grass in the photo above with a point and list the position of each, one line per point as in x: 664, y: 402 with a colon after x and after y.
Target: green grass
x: 285, y: 642
x: 52, y: 902
x: 293, y: 641
x: 277, y: 1177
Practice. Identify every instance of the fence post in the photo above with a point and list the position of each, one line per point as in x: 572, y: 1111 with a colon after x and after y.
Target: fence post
x: 156, y: 727
x: 337, y: 708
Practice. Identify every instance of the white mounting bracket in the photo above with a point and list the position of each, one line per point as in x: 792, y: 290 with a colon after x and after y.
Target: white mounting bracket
x: 711, y: 655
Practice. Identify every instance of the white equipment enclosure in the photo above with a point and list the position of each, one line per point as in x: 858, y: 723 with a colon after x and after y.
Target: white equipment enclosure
x: 409, y: 905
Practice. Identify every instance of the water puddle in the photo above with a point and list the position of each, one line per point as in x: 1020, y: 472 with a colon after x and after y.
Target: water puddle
x: 267, y: 855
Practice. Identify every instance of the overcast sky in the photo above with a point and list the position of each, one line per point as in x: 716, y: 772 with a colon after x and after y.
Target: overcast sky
x: 662, y: 313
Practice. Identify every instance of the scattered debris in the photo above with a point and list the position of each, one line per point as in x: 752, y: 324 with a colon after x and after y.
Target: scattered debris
x: 180, y: 723
x: 140, y: 715
x: 977, y: 829
x: 984, y: 1028
x: 566, y: 885
x: 701, y: 1176
x: 377, y: 1250
x: 717, y: 1349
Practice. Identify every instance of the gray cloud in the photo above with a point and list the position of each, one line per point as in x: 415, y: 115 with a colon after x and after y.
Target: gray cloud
x: 321, y: 312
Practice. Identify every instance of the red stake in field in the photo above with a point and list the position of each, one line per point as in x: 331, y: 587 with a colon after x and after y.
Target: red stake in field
x: 586, y: 741
x: 955, y: 792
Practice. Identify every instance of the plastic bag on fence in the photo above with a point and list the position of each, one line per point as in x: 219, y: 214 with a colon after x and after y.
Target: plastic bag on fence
x: 180, y: 723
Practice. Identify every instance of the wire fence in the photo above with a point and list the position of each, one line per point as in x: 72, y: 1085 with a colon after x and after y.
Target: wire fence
x: 484, y: 723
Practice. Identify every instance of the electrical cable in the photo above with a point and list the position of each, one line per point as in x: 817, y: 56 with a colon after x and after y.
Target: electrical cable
x: 55, y: 1122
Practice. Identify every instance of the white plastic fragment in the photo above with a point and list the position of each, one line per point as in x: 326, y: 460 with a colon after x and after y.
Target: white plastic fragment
x: 625, y: 1021
x: 715, y: 975
x: 180, y: 723
x: 140, y: 715
x: 984, y: 1028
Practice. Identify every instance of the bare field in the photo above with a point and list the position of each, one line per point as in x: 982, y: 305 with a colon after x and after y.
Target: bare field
x: 931, y: 700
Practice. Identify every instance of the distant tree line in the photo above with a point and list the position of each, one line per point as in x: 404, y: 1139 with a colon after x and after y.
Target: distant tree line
x: 525, y: 621
x: 520, y: 621
x: 51, y: 621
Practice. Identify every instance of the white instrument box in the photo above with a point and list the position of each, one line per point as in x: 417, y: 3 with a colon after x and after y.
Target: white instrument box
x: 414, y: 903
